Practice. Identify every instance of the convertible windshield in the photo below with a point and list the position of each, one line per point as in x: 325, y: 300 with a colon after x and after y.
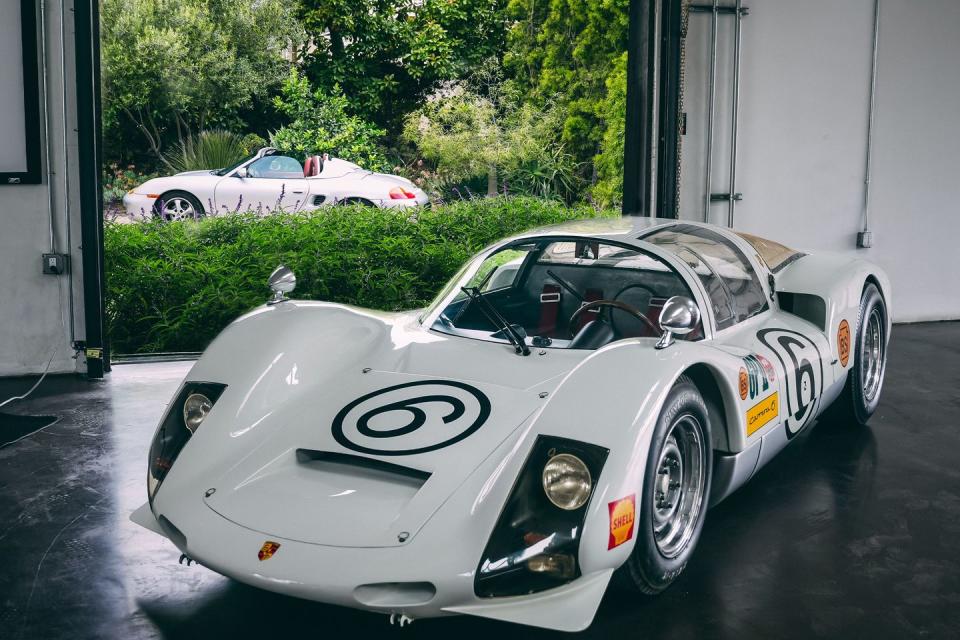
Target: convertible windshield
x: 223, y: 172
x: 562, y: 293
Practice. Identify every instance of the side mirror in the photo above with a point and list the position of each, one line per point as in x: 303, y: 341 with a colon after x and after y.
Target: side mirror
x: 678, y: 317
x: 281, y: 281
x: 242, y: 172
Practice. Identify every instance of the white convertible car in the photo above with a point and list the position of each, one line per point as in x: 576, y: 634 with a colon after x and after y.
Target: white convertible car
x: 567, y: 408
x: 266, y: 182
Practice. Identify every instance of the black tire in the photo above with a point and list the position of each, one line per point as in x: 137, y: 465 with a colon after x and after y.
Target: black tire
x: 650, y: 569
x: 163, y: 206
x: 861, y: 393
x: 346, y: 202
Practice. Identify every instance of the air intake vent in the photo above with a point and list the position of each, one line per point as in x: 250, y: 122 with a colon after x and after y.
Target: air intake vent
x: 319, y: 200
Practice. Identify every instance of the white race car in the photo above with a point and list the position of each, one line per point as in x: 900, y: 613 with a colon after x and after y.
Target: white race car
x: 267, y: 182
x: 568, y: 407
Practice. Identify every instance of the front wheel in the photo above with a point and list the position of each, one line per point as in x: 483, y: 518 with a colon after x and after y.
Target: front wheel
x: 676, y: 487
x: 177, y: 205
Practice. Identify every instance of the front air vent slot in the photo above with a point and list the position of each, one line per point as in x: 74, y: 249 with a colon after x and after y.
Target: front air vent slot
x: 349, y: 464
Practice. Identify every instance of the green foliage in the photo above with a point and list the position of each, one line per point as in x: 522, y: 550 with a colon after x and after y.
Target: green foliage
x: 465, y: 134
x: 387, y: 55
x: 118, y: 180
x: 320, y: 123
x: 209, y: 150
x: 174, y: 286
x: 609, y: 162
x: 171, y: 67
x: 566, y: 51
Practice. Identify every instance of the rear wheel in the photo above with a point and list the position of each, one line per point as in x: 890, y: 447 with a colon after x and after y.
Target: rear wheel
x: 177, y: 205
x: 676, y: 487
x: 861, y: 394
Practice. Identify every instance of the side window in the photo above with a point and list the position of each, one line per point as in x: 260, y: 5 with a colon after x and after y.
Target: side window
x: 734, y: 289
x: 282, y: 167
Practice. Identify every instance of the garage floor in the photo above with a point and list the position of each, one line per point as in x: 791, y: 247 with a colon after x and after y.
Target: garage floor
x: 849, y: 533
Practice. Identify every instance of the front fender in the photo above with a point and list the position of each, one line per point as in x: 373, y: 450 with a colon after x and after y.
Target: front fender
x: 613, y: 399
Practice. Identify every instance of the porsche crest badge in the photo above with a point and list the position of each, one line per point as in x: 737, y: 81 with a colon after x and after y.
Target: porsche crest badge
x: 267, y: 550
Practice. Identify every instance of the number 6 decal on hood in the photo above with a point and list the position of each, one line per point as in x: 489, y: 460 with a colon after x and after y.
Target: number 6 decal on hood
x: 411, y: 418
x: 803, y: 374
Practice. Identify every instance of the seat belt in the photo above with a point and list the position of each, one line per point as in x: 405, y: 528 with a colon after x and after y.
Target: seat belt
x: 549, y: 309
x: 590, y: 296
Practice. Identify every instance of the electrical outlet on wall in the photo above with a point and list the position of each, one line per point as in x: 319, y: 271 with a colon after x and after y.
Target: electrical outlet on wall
x: 55, y: 264
x: 865, y: 239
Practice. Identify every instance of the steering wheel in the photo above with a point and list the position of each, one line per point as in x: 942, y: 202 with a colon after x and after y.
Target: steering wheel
x: 642, y: 287
x: 612, y: 304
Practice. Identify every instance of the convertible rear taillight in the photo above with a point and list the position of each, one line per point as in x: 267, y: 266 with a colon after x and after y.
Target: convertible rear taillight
x: 399, y: 193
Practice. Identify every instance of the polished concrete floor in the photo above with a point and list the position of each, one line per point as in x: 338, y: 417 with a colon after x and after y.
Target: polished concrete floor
x: 850, y: 533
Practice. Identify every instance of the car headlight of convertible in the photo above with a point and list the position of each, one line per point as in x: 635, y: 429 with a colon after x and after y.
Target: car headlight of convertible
x: 535, y: 543
x: 184, y: 416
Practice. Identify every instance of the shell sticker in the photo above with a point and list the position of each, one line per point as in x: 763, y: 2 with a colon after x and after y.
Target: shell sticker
x: 622, y: 515
x: 843, y: 342
x: 267, y: 550
x: 744, y: 384
x: 762, y: 413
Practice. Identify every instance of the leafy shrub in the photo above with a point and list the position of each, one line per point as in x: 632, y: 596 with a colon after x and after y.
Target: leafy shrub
x: 320, y: 123
x: 174, y: 286
x: 208, y: 150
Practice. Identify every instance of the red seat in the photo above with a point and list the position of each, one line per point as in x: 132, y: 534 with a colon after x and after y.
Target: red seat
x: 313, y: 166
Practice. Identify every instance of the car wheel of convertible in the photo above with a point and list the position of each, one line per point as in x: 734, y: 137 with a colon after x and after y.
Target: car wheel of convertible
x: 676, y: 490
x: 177, y: 205
x: 861, y: 394
x: 346, y: 202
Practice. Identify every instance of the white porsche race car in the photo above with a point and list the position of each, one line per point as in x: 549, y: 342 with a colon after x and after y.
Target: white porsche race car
x: 267, y: 182
x: 568, y: 407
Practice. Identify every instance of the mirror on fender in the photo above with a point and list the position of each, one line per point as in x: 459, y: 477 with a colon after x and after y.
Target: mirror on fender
x: 678, y: 317
x: 281, y: 282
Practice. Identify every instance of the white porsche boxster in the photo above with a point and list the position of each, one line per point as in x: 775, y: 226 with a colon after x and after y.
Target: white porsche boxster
x: 568, y: 408
x: 267, y: 182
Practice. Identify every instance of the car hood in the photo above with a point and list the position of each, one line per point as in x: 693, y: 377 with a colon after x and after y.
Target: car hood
x: 202, y: 172
x: 366, y: 446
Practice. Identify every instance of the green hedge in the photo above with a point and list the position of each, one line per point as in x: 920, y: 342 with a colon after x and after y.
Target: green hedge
x: 174, y: 286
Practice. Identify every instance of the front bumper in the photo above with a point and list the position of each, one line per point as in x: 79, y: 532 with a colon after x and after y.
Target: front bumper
x: 429, y: 577
x: 139, y: 206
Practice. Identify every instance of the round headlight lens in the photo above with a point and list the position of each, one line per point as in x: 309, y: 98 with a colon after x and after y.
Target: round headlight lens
x: 195, y: 409
x: 566, y: 481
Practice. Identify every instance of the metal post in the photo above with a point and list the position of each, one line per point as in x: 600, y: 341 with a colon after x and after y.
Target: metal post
x: 668, y: 111
x: 864, y: 239
x: 711, y: 100
x: 638, y: 134
x: 733, y: 117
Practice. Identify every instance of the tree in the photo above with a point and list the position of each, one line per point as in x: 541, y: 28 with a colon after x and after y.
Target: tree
x: 388, y: 55
x: 320, y: 123
x: 173, y: 67
x: 567, y: 51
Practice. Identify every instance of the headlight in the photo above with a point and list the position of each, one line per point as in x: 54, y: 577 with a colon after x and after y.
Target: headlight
x: 566, y: 480
x: 535, y: 544
x: 195, y: 409
x: 184, y: 416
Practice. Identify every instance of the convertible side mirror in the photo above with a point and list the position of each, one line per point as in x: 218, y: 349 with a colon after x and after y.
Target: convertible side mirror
x: 281, y: 282
x: 242, y: 172
x: 678, y: 317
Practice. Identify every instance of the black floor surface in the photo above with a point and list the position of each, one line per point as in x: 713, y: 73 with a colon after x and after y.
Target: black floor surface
x: 849, y: 533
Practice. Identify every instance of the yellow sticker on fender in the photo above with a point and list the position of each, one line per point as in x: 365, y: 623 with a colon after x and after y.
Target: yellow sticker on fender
x: 622, y: 514
x: 762, y: 413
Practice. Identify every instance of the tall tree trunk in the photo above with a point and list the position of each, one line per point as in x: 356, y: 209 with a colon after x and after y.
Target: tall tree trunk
x: 491, y: 180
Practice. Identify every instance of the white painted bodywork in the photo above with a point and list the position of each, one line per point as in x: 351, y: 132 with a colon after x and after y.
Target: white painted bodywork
x: 338, y: 181
x: 292, y: 367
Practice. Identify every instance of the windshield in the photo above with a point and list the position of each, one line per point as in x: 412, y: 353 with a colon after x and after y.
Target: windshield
x: 233, y: 167
x: 560, y: 293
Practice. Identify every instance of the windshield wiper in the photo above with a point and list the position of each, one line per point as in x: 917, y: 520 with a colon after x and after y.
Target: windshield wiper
x: 508, y: 330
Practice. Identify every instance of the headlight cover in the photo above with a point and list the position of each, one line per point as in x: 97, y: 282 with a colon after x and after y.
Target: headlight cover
x: 173, y: 433
x: 535, y: 543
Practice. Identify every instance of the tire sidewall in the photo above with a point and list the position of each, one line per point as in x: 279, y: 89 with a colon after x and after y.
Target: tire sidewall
x: 870, y: 300
x: 649, y: 569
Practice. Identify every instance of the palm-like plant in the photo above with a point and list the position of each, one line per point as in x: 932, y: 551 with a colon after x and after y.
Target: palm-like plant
x: 208, y: 150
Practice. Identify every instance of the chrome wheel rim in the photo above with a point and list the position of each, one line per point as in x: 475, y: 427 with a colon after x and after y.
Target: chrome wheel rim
x: 872, y: 354
x: 678, y: 489
x: 177, y: 208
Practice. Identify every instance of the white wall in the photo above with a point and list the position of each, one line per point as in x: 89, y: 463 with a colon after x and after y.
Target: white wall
x: 35, y: 313
x: 805, y: 81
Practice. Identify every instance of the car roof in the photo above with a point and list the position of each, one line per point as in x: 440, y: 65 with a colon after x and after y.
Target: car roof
x: 622, y: 229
